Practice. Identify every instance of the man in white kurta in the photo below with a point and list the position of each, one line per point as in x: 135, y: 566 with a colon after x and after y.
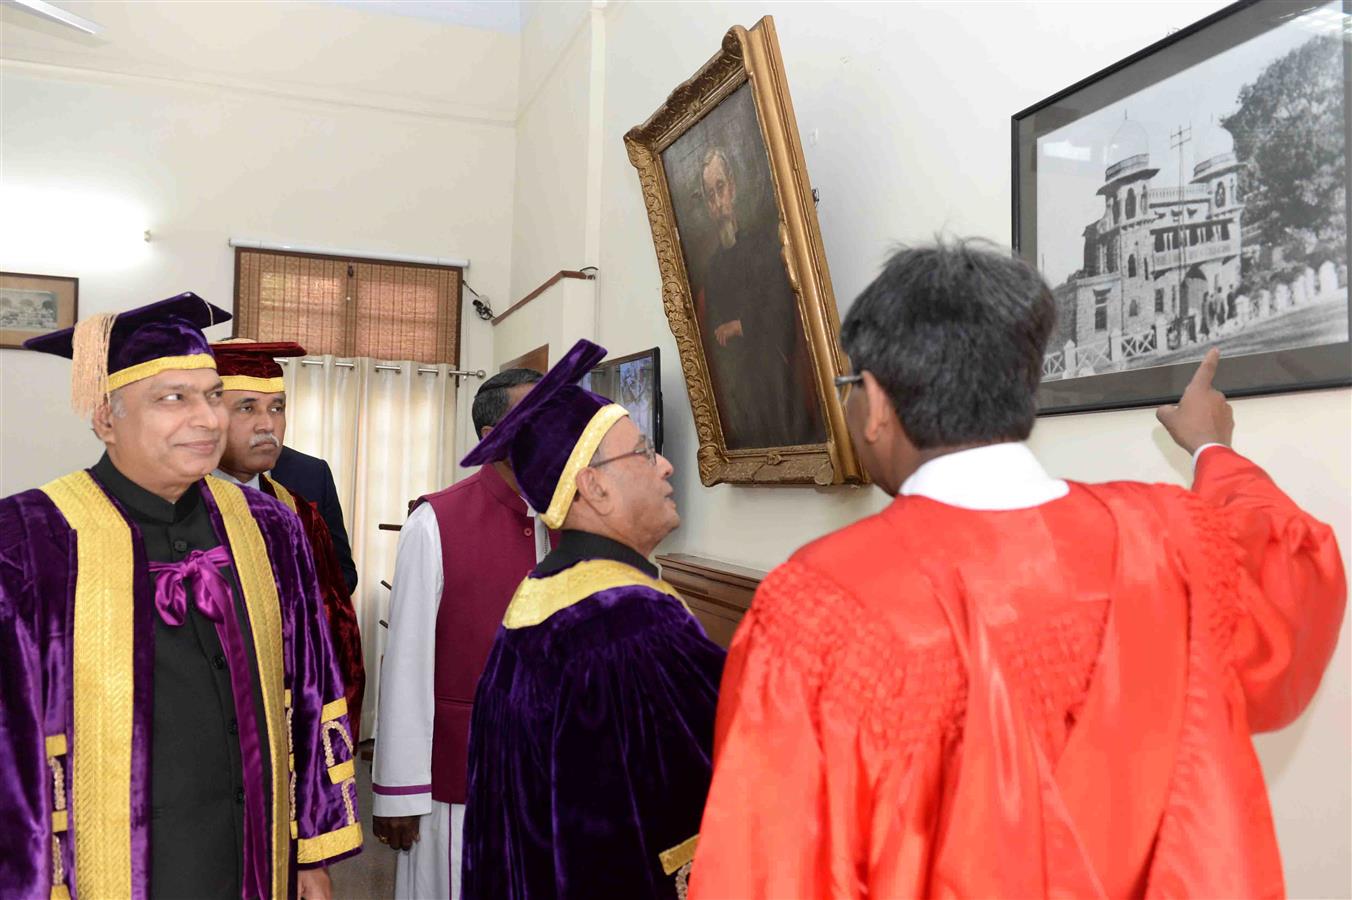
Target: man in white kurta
x: 404, y: 723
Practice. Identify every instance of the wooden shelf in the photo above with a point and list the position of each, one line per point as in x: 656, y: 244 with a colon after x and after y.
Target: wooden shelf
x: 719, y: 593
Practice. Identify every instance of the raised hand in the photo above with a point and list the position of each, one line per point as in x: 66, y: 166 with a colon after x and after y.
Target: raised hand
x: 1202, y: 415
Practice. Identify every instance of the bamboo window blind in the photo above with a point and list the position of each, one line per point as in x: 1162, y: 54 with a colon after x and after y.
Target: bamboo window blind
x: 349, y: 307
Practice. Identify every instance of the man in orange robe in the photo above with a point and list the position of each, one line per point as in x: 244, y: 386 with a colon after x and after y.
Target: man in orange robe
x: 255, y: 395
x: 1005, y: 684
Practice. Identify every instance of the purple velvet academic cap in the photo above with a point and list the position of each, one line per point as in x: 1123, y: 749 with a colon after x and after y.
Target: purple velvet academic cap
x: 112, y: 350
x: 552, y: 434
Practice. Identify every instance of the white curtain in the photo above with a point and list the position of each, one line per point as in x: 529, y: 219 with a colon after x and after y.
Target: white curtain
x: 387, y: 429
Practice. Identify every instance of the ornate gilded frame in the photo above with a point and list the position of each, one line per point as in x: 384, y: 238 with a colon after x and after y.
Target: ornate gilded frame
x: 749, y: 55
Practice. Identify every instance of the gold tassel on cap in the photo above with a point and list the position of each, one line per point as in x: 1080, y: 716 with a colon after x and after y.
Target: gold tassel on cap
x: 89, y: 358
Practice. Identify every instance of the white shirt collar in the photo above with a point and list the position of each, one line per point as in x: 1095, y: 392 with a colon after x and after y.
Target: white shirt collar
x: 993, y: 477
x: 226, y: 476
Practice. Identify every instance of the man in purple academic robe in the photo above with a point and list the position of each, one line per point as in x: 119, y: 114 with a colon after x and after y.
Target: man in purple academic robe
x: 461, y: 555
x: 172, y: 721
x: 592, y: 729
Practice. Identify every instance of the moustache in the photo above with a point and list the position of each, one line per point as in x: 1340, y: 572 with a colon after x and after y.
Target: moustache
x: 259, y: 440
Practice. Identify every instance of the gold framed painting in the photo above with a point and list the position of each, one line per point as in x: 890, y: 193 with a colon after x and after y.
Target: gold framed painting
x: 33, y: 305
x: 744, y: 279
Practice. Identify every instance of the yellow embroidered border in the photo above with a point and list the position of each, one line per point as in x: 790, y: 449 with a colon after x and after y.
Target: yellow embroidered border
x: 102, y: 684
x: 275, y: 385
x: 342, y: 772
x: 328, y: 845
x: 290, y: 765
x: 56, y: 749
x: 539, y: 598
x: 283, y: 495
x: 583, y: 451
x: 333, y: 710
x: 348, y: 786
x: 254, y: 570
x: 679, y: 855
x: 153, y: 367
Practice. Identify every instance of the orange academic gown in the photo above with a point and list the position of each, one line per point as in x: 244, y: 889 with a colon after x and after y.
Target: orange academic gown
x: 1122, y: 644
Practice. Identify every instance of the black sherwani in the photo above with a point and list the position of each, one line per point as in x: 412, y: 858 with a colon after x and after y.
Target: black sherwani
x: 196, y: 775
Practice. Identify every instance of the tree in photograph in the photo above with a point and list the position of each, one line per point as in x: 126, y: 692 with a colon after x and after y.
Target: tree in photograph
x: 1288, y: 130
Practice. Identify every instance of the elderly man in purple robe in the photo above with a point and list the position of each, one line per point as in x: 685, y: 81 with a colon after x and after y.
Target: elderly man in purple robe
x: 592, y: 730
x: 172, y: 721
x: 461, y: 555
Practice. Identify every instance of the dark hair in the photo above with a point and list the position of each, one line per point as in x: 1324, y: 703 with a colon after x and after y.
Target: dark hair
x: 490, y: 401
x: 955, y: 334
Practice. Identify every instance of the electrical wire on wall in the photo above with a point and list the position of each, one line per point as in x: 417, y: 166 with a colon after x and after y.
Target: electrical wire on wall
x: 481, y: 307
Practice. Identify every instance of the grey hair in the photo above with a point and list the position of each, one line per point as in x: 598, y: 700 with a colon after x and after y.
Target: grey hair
x: 116, y: 404
x: 709, y: 156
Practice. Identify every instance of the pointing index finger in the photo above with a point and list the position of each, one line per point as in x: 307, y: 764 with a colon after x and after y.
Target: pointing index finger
x: 1206, y: 371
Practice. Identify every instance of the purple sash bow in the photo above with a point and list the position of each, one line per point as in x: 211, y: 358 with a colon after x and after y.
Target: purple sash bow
x: 211, y: 592
x: 214, y: 598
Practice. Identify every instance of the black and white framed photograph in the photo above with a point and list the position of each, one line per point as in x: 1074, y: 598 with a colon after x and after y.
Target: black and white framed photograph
x: 1195, y: 196
x: 33, y: 305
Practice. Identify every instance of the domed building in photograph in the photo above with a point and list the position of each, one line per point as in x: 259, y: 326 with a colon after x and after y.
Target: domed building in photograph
x: 1158, y: 252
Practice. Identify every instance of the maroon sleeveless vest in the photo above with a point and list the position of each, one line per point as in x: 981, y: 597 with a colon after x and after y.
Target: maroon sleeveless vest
x: 487, y: 548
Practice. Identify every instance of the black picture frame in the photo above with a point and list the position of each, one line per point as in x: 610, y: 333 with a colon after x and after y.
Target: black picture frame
x: 1241, y: 374
x: 601, y: 380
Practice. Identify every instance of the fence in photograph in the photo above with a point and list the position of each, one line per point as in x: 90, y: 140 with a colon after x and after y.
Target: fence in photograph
x: 1118, y: 350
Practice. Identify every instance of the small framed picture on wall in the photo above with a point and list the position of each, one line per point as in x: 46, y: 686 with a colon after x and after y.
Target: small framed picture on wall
x: 33, y: 305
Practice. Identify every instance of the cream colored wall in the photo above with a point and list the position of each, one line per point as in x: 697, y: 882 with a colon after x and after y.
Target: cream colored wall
x: 559, y: 317
x: 904, y: 111
x: 548, y: 27
x: 555, y: 209
x: 316, y: 51
x: 296, y: 123
x: 549, y: 205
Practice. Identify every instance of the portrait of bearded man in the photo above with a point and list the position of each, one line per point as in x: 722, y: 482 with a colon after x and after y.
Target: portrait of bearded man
x: 750, y: 327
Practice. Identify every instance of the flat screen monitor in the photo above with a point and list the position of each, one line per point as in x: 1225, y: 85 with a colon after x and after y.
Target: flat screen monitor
x: 634, y: 382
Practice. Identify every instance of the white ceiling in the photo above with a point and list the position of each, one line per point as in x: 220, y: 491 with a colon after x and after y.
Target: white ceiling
x: 491, y: 15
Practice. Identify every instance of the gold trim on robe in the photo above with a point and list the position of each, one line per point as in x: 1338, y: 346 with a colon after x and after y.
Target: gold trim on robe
x: 254, y: 570
x: 343, y: 771
x: 329, y: 844
x: 583, y: 451
x: 677, y: 856
x: 282, y: 493
x: 537, y: 599
x: 102, y: 684
x: 333, y: 709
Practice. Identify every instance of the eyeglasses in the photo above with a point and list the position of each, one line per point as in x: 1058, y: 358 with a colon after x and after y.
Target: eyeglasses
x: 844, y: 383
x: 644, y: 449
